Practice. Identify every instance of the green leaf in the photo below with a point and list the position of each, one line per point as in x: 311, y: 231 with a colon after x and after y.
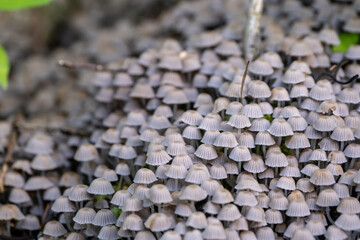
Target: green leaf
x: 21, y: 4
x: 116, y: 211
x: 346, y: 39
x: 4, y: 68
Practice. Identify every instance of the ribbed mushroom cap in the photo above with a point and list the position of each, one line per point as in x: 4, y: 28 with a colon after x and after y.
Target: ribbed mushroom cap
x: 38, y: 183
x: 320, y: 92
x: 264, y: 138
x: 10, y: 212
x: 176, y: 171
x: 214, y: 231
x: 183, y: 159
x: 69, y: 179
x: 261, y: 67
x: 276, y: 159
x: 183, y: 209
x: 19, y: 196
x: 229, y: 212
x: 297, y: 141
x: 239, y: 120
x: 255, y: 164
x: 322, y: 177
x: 252, y: 111
x: 197, y: 220
x: 218, y: 172
x: 206, y: 151
x: 273, y: 216
x: 258, y: 89
x: 191, y: 117
x: 159, y: 122
x: 316, y: 227
x: 192, y: 132
x: 240, y: 154
x: 348, y: 222
x: 144, y: 235
x: 31, y: 223
x: 84, y: 216
x: 255, y: 214
x: 63, y: 204
x: 304, y: 185
x: 335, y: 233
x: 193, y: 193
x: 40, y: 143
x: 349, y: 95
x: 239, y: 224
x: 280, y: 128
x: 352, y: 25
x: 328, y: 144
x: 273, y: 58
x: 245, y: 198
x: 122, y: 169
x: 352, y: 150
x: 144, y: 176
x: 100, y: 186
x: 142, y: 90
x: 246, y: 139
x: 133, y: 222
x: 104, y: 217
x: 54, y: 229
x: 109, y: 232
x: 300, y: 49
x: 176, y: 148
x: 14, y: 179
x: 329, y: 36
x: 158, y: 222
x: 279, y: 203
x: 293, y: 76
x: 302, y: 233
x: 158, y: 194
x: 349, y: 205
x: 43, y: 162
x: 158, y: 157
x: 286, y: 183
x: 226, y: 139
x: 248, y: 183
x: 197, y: 175
x: 298, y: 208
x: 86, y: 152
x: 327, y: 198
x: 23, y: 165
x: 342, y: 190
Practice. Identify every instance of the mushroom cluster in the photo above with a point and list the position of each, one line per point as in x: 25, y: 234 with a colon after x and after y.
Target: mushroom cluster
x: 189, y: 142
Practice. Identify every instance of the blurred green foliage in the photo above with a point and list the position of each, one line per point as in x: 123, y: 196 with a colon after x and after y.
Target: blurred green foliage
x: 346, y: 39
x: 10, y: 5
x: 4, y: 68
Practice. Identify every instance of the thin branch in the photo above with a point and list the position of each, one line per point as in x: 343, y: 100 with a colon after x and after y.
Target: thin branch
x: 243, y: 82
x: 87, y: 66
x: 46, y: 212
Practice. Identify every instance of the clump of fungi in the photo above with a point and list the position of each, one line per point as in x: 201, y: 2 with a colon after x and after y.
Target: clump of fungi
x: 188, y: 142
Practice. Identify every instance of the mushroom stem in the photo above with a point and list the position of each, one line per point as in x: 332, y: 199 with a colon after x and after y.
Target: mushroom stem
x: 8, y: 227
x: 176, y: 184
x: 353, y: 160
x: 120, y: 182
x: 329, y: 216
x: 40, y: 202
x: 297, y: 152
x: 279, y: 141
x: 67, y: 216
